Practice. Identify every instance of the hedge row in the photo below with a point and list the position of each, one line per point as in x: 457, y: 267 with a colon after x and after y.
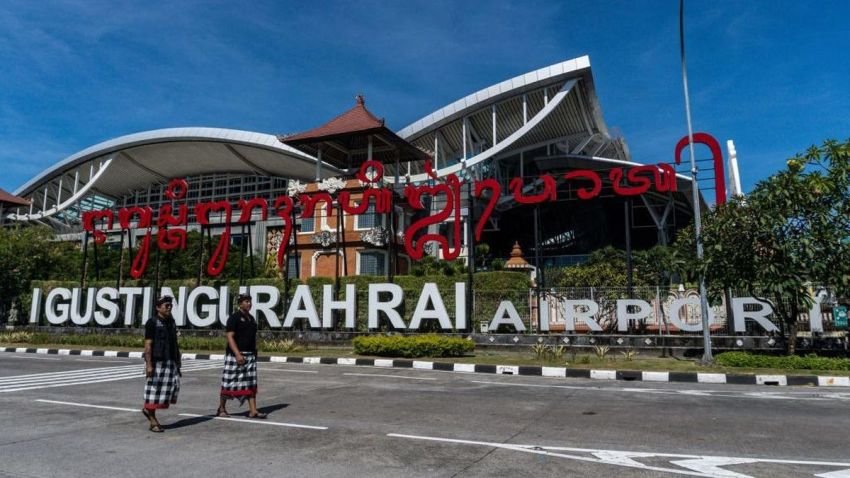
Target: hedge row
x: 793, y: 362
x: 412, y: 346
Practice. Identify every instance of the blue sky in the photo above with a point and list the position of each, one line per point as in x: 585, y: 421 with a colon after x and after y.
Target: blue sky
x: 772, y: 75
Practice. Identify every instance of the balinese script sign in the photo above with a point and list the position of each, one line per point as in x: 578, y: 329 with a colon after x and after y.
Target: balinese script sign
x: 171, y: 220
x: 206, y: 306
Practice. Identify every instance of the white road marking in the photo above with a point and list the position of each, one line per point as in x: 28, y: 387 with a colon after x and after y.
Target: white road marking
x: 255, y: 421
x: 835, y: 474
x: 707, y: 466
x: 661, y: 391
x: 711, y: 465
x: 231, y: 419
x: 266, y: 369
x: 542, y: 451
x: 387, y: 376
x: 56, y: 402
x: 32, y: 358
x: 107, y: 361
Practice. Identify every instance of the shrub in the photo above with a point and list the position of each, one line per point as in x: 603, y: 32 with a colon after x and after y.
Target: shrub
x: 557, y: 351
x: 792, y: 362
x: 283, y: 346
x: 22, y: 337
x: 601, y: 350
x: 540, y: 351
x: 412, y: 346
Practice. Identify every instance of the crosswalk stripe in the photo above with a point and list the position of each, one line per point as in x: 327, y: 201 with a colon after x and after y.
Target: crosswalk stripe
x: 92, y: 375
x: 134, y: 371
x: 50, y: 375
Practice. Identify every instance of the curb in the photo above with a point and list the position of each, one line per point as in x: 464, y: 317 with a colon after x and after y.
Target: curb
x: 554, y: 372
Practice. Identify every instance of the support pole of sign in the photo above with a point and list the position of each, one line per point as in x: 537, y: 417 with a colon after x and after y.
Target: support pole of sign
x: 85, y: 267
x: 393, y: 266
x: 121, y: 260
x: 96, y: 262
x: 539, y: 270
x: 660, y: 320
x: 390, y: 245
x: 130, y: 245
x: 200, y: 258
x: 168, y: 259
x: 242, y: 257
x: 629, y: 265
x: 707, y: 357
x: 341, y: 216
x: 209, y: 244
x: 285, y: 277
x: 156, y: 269
x: 470, y: 269
x: 251, y: 251
x: 295, y: 248
x: 339, y: 240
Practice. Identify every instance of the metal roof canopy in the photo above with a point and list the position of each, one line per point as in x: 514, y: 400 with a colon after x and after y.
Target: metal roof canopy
x: 554, y: 104
x: 116, y: 167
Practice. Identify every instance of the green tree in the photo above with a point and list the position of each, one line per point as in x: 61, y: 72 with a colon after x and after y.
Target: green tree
x: 27, y: 254
x: 607, y: 268
x: 791, y: 232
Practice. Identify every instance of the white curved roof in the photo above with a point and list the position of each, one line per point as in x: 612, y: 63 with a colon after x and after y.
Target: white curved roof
x: 553, y: 107
x: 556, y: 104
x: 115, y: 167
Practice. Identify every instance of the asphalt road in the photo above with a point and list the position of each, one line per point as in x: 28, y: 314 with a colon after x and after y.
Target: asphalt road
x: 73, y: 416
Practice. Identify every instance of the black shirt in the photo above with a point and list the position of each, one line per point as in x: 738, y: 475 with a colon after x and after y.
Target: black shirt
x: 244, y: 328
x: 163, y: 333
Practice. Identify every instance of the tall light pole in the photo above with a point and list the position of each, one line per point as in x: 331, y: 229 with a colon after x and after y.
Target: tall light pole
x: 707, y: 357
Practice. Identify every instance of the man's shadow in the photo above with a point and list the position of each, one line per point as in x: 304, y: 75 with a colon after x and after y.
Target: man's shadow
x: 268, y: 409
x: 186, y: 422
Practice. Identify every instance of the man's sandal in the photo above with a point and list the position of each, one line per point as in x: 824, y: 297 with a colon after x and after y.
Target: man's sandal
x: 259, y: 415
x: 221, y: 412
x: 156, y: 428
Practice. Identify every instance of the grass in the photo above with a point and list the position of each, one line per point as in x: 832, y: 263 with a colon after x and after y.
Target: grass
x: 644, y: 361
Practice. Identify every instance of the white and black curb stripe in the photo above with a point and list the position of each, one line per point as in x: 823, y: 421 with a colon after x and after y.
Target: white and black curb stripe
x: 555, y: 372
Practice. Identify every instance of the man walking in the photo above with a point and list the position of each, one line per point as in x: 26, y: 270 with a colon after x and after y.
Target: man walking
x: 239, y: 377
x: 162, y: 362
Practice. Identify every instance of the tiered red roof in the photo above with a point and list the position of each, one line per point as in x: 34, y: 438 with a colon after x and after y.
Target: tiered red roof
x: 356, y: 120
x: 344, y: 140
x: 7, y: 199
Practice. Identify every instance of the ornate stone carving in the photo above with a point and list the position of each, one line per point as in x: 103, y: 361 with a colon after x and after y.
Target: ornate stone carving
x: 331, y: 185
x: 294, y: 188
x: 325, y: 238
x: 377, y: 236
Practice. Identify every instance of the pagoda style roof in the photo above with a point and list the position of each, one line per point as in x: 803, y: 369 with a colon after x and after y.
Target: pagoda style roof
x: 517, y: 261
x: 344, y: 140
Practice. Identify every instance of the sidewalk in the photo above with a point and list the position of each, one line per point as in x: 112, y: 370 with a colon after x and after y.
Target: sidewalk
x: 554, y: 372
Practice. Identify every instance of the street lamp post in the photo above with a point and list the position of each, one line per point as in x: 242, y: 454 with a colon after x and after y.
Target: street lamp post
x: 707, y: 357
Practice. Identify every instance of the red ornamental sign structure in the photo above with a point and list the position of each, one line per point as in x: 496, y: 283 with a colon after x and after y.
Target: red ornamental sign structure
x: 171, y: 222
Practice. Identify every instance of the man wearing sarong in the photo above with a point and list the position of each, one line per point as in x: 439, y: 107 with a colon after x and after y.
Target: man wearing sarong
x: 239, y: 377
x: 162, y: 362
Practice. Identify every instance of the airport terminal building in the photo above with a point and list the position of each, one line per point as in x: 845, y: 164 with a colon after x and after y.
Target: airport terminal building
x: 540, y: 134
